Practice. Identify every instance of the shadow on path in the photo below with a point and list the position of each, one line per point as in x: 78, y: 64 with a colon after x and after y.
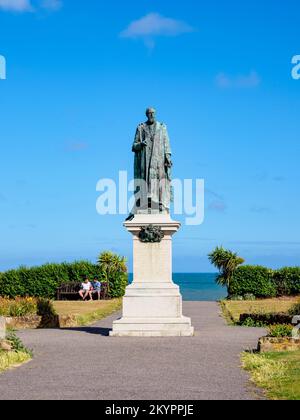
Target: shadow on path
x: 206, y: 367
x: 90, y: 330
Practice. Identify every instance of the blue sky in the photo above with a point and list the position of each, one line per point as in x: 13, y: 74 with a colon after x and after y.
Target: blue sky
x: 79, y: 77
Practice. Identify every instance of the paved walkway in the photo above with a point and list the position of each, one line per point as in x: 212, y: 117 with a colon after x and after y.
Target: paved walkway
x: 85, y: 363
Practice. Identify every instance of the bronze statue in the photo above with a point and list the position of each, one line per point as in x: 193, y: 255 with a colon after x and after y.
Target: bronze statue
x: 152, y: 167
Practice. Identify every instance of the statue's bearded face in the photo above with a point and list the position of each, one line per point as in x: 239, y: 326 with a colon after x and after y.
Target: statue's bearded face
x: 151, y: 115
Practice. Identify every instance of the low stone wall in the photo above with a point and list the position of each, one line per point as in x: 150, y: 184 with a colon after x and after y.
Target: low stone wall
x: 24, y: 322
x: 58, y: 321
x: 271, y: 344
x: 34, y: 322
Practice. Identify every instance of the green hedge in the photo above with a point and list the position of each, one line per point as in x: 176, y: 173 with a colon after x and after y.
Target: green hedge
x: 287, y: 281
x: 43, y: 281
x: 263, y: 319
x: 265, y: 283
x: 253, y: 279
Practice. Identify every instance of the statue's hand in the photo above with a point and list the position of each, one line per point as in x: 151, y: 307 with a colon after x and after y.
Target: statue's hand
x: 144, y: 143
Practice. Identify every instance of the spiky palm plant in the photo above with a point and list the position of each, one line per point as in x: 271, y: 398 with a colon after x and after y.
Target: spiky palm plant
x: 226, y: 262
x: 111, y: 264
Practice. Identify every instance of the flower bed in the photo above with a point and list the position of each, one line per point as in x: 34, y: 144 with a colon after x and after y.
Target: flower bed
x: 18, y: 307
x: 278, y: 344
x: 61, y: 314
x: 262, y: 320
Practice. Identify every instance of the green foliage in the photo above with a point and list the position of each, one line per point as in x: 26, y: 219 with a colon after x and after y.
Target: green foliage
x: 264, y: 319
x: 280, y: 330
x: 250, y: 297
x: 262, y: 282
x: 295, y: 310
x: 12, y: 358
x: 17, y: 345
x: 254, y: 280
x: 18, y: 307
x: 43, y: 281
x: 45, y: 308
x: 236, y: 298
x: 226, y: 262
x: 252, y: 323
x: 278, y: 373
x: 114, y: 272
x: 287, y: 281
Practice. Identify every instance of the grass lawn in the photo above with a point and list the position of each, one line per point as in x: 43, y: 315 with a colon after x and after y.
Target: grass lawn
x: 88, y: 312
x: 12, y: 359
x: 233, y: 309
x: 277, y: 373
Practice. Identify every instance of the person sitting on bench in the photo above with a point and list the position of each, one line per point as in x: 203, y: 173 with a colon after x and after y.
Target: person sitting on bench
x: 96, y: 286
x: 86, y: 290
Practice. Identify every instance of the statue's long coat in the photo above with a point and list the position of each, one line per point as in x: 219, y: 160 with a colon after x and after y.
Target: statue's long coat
x: 150, y: 162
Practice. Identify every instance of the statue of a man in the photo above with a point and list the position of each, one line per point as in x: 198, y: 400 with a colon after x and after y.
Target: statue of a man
x: 152, y: 167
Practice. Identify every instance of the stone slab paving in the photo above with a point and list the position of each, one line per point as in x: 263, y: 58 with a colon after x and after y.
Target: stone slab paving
x: 84, y: 363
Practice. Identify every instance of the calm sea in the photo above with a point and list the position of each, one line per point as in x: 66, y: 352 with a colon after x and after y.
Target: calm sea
x: 198, y: 286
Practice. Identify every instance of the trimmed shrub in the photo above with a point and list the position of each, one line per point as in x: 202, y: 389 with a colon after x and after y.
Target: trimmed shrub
x: 45, y: 308
x: 287, y: 281
x: 281, y: 330
x: 250, y: 297
x: 295, y: 310
x: 43, y: 281
x: 264, y: 319
x: 252, y: 323
x: 117, y: 285
x: 236, y: 298
x: 254, y: 280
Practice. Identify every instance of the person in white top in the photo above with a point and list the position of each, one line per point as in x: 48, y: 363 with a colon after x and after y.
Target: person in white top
x: 86, y: 290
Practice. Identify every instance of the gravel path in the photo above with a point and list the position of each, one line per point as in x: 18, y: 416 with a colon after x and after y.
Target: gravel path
x: 85, y: 363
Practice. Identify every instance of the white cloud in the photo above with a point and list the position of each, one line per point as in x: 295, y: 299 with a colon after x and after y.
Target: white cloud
x: 251, y: 80
x: 153, y: 25
x: 260, y: 210
x: 218, y: 206
x: 29, y: 5
x: 76, y: 146
x: 16, y: 5
x: 51, y: 4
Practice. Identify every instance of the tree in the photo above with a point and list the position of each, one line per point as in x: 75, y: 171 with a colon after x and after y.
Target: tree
x: 114, y: 271
x: 226, y: 262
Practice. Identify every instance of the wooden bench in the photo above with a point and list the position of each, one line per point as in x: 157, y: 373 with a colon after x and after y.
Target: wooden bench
x: 70, y: 291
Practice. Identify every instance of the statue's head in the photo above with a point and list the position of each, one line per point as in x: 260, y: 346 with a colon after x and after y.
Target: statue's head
x: 151, y: 115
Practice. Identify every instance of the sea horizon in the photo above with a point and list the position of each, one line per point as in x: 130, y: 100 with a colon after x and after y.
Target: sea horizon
x: 197, y: 286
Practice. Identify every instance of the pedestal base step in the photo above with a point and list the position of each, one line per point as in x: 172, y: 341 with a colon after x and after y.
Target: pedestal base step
x: 153, y: 327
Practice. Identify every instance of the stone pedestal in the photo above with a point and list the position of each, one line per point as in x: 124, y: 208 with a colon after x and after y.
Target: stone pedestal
x: 152, y: 306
